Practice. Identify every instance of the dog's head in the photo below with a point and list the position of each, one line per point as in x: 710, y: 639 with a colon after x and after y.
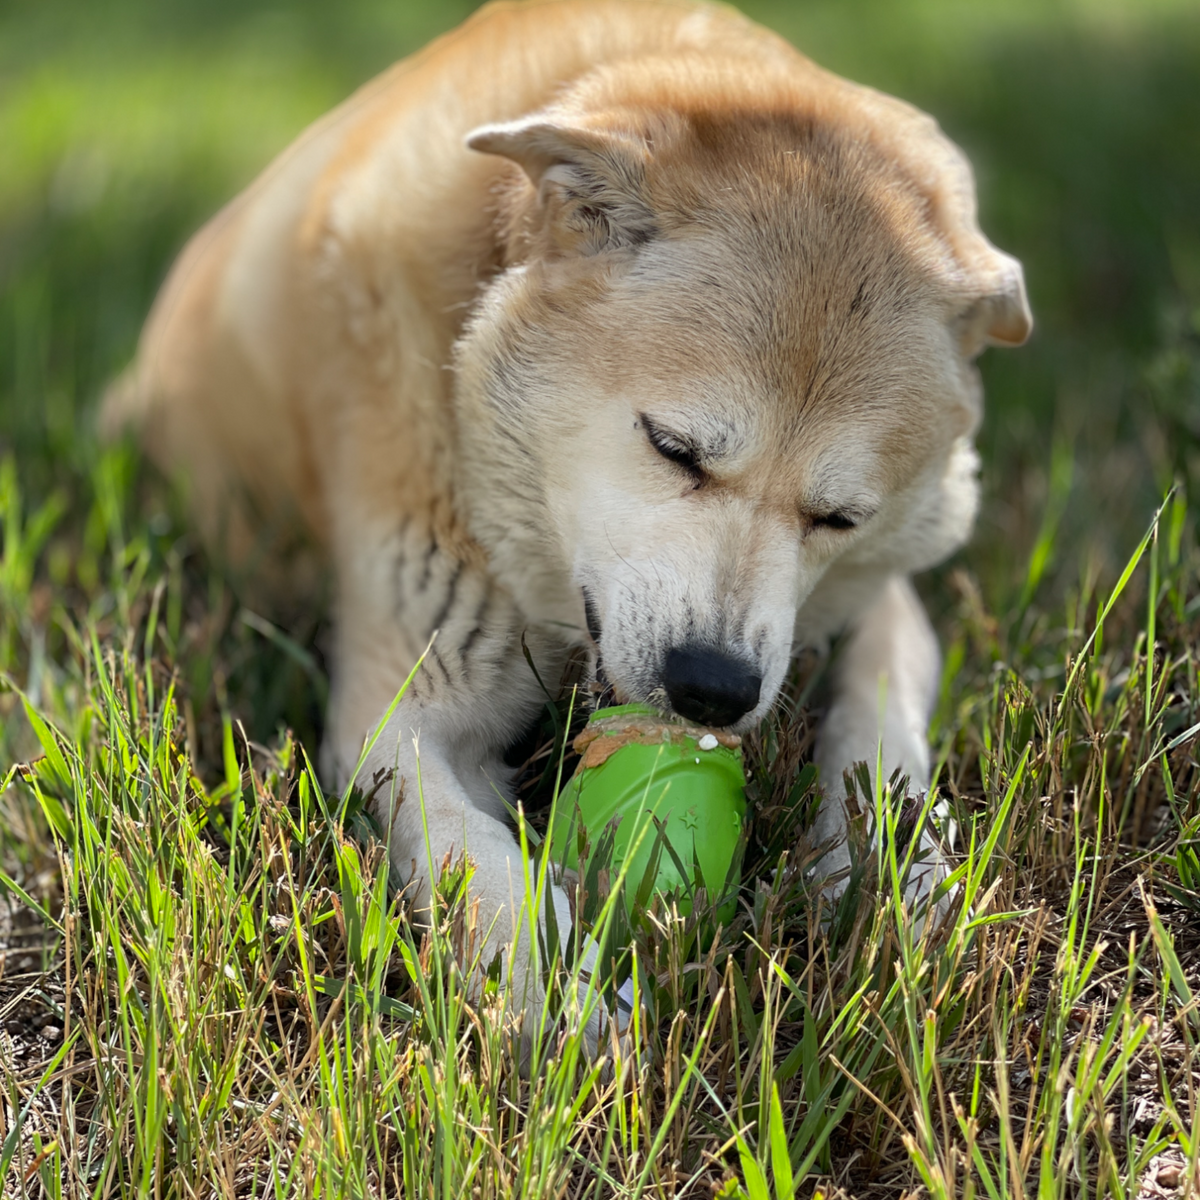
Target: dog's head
x: 730, y: 350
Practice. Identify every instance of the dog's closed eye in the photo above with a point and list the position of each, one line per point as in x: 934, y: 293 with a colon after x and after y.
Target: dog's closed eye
x: 833, y: 520
x: 674, y: 448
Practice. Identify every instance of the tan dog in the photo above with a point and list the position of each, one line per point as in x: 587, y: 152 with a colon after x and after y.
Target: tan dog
x: 618, y: 325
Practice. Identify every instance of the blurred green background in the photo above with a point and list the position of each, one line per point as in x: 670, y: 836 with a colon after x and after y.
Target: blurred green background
x: 124, y: 124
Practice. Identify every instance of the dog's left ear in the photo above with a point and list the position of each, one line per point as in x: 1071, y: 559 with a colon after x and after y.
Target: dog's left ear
x: 987, y: 286
x: 1000, y: 316
x: 589, y: 183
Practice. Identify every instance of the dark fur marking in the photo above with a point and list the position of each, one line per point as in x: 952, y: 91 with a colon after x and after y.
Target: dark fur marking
x: 427, y: 565
x: 515, y: 442
x: 448, y: 603
x: 436, y: 659
x: 477, y: 627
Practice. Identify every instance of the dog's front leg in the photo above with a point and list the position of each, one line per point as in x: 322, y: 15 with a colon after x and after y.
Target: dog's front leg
x: 440, y: 804
x: 441, y: 750
x: 885, y: 685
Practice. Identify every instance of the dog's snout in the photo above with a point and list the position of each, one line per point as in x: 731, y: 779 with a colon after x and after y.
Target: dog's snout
x: 709, y: 687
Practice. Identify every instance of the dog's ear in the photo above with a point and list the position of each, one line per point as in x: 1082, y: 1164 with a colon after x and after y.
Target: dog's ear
x: 1000, y: 315
x: 987, y: 286
x: 588, y: 183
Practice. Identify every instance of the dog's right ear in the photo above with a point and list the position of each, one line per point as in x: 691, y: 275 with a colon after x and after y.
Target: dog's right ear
x: 588, y: 183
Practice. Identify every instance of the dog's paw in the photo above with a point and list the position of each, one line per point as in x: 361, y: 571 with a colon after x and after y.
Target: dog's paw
x: 920, y: 856
x: 925, y: 879
x: 571, y: 1008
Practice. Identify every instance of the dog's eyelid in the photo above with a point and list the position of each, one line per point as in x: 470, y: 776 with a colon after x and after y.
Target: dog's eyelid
x: 672, y: 447
x: 839, y: 519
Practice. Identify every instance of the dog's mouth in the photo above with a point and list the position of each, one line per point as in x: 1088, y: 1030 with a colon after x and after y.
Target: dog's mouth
x: 696, y: 682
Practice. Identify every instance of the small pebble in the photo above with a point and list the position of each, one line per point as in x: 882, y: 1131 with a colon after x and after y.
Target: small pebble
x: 51, y: 1033
x: 708, y: 742
x: 1168, y: 1177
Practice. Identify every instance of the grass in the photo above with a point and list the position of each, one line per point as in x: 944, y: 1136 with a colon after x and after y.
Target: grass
x: 207, y: 986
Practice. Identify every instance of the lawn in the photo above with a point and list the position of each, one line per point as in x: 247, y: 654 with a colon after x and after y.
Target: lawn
x: 207, y: 986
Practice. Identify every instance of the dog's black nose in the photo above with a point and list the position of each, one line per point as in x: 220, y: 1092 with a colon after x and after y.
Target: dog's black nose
x: 709, y: 687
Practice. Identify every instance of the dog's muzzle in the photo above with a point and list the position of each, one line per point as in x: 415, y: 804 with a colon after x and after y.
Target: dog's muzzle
x: 709, y: 687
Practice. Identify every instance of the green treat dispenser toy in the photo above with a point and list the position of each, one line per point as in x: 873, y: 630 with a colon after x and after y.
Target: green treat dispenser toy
x: 635, y: 762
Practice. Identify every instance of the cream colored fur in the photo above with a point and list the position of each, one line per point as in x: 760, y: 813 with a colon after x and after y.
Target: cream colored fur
x: 436, y: 335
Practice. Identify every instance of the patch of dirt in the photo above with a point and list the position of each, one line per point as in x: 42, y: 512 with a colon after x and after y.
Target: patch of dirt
x: 33, y: 1013
x: 1166, y: 1178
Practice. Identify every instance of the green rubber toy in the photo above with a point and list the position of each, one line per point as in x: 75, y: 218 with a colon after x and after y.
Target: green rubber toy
x: 637, y: 762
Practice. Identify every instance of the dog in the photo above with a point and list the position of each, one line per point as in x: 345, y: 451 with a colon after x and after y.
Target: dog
x: 614, y: 326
